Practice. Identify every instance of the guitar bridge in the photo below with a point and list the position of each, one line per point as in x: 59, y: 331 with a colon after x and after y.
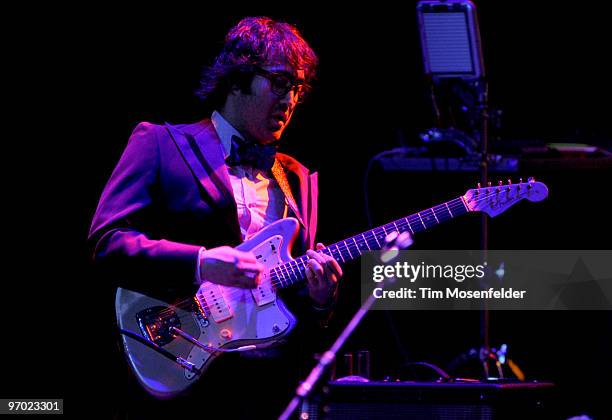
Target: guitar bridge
x: 155, y: 323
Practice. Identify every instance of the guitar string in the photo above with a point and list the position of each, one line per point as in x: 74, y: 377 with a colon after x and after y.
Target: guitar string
x: 276, y: 280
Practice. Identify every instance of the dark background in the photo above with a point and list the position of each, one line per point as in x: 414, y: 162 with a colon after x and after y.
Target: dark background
x: 85, y: 77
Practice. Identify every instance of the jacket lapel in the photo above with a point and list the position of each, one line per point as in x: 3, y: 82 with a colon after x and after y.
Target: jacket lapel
x: 202, y: 151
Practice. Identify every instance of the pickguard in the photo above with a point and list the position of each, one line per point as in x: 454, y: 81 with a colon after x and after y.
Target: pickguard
x: 243, y: 316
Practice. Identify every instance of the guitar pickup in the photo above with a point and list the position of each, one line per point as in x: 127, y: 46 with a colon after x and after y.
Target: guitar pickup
x: 264, y: 293
x: 211, y: 301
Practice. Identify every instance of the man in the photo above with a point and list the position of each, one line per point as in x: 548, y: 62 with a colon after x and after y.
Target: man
x: 181, y: 197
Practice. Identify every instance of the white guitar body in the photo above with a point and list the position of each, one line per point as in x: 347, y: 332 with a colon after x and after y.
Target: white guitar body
x: 220, y: 317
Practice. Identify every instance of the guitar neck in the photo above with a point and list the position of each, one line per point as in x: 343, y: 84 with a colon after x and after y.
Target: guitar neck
x: 349, y: 249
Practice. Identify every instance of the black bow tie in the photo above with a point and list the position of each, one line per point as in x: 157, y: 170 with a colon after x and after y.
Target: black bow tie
x: 249, y: 153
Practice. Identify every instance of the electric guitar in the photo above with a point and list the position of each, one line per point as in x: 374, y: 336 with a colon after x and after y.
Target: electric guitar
x: 170, y: 346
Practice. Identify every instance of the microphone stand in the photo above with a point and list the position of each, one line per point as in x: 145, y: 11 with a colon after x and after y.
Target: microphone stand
x: 483, y: 107
x: 393, y: 243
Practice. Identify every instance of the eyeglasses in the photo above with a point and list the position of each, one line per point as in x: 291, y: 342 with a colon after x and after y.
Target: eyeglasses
x: 282, y: 82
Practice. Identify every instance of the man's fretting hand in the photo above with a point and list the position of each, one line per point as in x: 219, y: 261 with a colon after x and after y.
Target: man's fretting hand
x: 322, y: 275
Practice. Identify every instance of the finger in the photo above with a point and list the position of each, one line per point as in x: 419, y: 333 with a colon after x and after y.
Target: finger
x: 242, y: 282
x: 249, y: 280
x: 248, y: 267
x: 310, y: 275
x: 316, y: 267
x: 320, y: 246
x: 258, y: 278
x: 245, y: 256
x: 330, y: 276
x: 313, y: 280
x: 317, y: 271
x: 254, y: 274
x: 316, y: 256
x: 334, y: 267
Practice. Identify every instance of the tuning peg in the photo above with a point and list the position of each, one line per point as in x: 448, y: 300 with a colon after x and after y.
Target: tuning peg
x: 530, y: 182
x: 489, y: 183
x: 500, y: 182
x: 479, y: 186
x: 509, y: 181
x: 520, y: 180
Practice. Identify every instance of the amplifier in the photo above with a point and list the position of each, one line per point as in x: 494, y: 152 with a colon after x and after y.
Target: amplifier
x: 430, y: 400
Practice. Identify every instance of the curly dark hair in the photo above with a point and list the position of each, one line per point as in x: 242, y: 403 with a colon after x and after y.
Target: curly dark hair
x: 254, y: 41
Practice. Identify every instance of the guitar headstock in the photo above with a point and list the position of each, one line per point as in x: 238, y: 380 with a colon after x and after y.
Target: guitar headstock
x: 494, y: 200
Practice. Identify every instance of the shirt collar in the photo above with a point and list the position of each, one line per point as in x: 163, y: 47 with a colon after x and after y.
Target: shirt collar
x: 225, y: 131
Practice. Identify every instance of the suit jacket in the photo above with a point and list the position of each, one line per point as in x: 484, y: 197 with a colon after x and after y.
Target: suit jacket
x: 170, y: 194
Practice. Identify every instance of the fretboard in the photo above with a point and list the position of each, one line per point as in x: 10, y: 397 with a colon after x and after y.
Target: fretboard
x: 294, y: 271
